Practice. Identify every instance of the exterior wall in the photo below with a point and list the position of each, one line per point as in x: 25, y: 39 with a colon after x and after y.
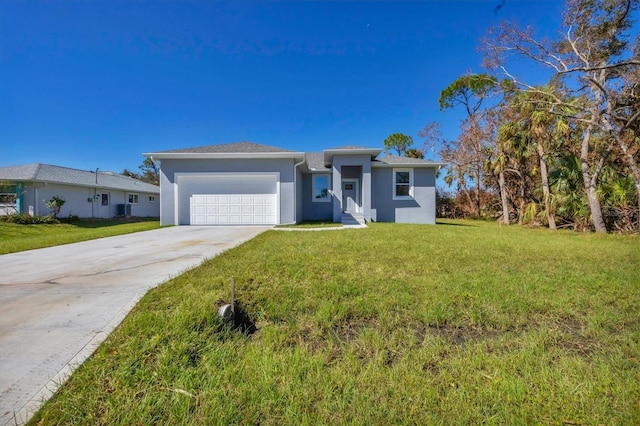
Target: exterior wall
x: 299, y: 196
x: 168, y: 184
x: 84, y: 202
x: 311, y: 210
x: 144, y: 208
x: 422, y: 209
x: 365, y: 183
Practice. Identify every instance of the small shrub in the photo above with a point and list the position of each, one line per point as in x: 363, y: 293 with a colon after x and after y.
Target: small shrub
x: 55, y: 204
x: 26, y: 219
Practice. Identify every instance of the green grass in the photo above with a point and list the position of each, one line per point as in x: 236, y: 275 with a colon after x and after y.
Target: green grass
x: 16, y: 237
x: 459, y: 323
x: 313, y: 224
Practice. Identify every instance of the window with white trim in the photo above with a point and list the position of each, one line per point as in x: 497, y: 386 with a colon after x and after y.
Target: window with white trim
x: 321, y: 186
x: 133, y: 198
x: 152, y: 198
x: 105, y: 199
x: 402, y: 184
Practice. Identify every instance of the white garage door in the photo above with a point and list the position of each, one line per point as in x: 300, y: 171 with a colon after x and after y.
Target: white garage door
x: 228, y: 199
x: 237, y: 209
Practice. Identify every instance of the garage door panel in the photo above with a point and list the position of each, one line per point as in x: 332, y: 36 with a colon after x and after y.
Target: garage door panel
x: 207, y: 209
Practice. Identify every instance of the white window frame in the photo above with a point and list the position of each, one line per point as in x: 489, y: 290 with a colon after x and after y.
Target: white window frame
x: 313, y: 189
x: 152, y: 198
x: 394, y: 184
x: 102, y: 199
x: 134, y: 196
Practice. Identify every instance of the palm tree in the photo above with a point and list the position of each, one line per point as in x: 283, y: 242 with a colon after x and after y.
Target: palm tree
x: 619, y: 194
x: 571, y: 203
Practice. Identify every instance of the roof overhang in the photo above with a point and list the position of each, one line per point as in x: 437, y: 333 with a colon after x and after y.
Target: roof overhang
x: 330, y: 153
x: 408, y: 165
x: 222, y: 155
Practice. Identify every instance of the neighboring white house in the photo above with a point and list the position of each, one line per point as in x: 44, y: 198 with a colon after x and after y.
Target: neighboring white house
x: 87, y: 194
x: 248, y: 183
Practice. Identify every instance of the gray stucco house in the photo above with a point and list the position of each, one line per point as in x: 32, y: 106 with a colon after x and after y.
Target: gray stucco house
x: 87, y: 194
x: 248, y: 183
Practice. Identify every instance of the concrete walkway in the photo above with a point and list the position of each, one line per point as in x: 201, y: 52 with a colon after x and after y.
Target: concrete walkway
x: 58, y: 304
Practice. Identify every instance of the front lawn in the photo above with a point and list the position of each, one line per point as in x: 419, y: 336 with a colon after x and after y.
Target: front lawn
x: 459, y: 323
x: 16, y: 237
x: 313, y: 224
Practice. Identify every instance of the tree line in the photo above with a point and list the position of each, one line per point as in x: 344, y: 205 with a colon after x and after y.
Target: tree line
x: 149, y: 172
x: 562, y: 154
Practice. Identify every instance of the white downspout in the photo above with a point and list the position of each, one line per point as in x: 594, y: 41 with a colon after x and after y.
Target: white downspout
x: 295, y: 192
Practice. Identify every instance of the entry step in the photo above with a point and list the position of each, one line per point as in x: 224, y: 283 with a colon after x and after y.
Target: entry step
x: 353, y: 219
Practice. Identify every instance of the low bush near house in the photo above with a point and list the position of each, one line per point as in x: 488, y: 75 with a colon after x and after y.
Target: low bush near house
x: 26, y: 219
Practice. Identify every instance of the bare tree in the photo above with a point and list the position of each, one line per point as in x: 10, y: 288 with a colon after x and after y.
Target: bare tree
x: 591, y: 57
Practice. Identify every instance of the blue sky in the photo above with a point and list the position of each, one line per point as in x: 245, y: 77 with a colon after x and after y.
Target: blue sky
x: 93, y: 84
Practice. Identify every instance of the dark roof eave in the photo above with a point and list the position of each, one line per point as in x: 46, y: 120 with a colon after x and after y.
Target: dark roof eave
x: 222, y: 155
x: 425, y: 165
x: 330, y: 153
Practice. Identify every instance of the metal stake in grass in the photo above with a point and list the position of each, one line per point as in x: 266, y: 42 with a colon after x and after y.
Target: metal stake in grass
x: 227, y: 312
x: 233, y: 291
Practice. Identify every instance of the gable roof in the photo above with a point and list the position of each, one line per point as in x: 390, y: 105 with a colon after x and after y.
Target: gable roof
x: 228, y: 150
x: 55, y: 174
x: 236, y: 147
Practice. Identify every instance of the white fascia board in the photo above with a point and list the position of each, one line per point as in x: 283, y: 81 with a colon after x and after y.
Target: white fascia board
x: 221, y: 155
x: 330, y: 153
x: 407, y: 165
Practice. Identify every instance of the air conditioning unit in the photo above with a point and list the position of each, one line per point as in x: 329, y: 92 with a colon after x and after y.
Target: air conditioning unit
x: 123, y: 209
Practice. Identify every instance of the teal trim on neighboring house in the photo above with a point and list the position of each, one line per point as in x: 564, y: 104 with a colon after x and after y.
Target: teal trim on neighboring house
x: 19, y: 190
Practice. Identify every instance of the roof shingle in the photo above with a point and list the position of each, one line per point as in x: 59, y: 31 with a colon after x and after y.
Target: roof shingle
x: 64, y: 175
x: 229, y: 148
x: 393, y: 159
x: 315, y: 160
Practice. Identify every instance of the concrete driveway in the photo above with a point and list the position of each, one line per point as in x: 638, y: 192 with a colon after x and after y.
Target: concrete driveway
x: 58, y: 304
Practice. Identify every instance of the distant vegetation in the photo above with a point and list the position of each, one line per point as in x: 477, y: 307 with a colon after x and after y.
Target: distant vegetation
x: 562, y: 154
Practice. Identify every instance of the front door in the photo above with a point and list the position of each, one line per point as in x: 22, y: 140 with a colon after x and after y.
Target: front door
x: 350, y: 196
